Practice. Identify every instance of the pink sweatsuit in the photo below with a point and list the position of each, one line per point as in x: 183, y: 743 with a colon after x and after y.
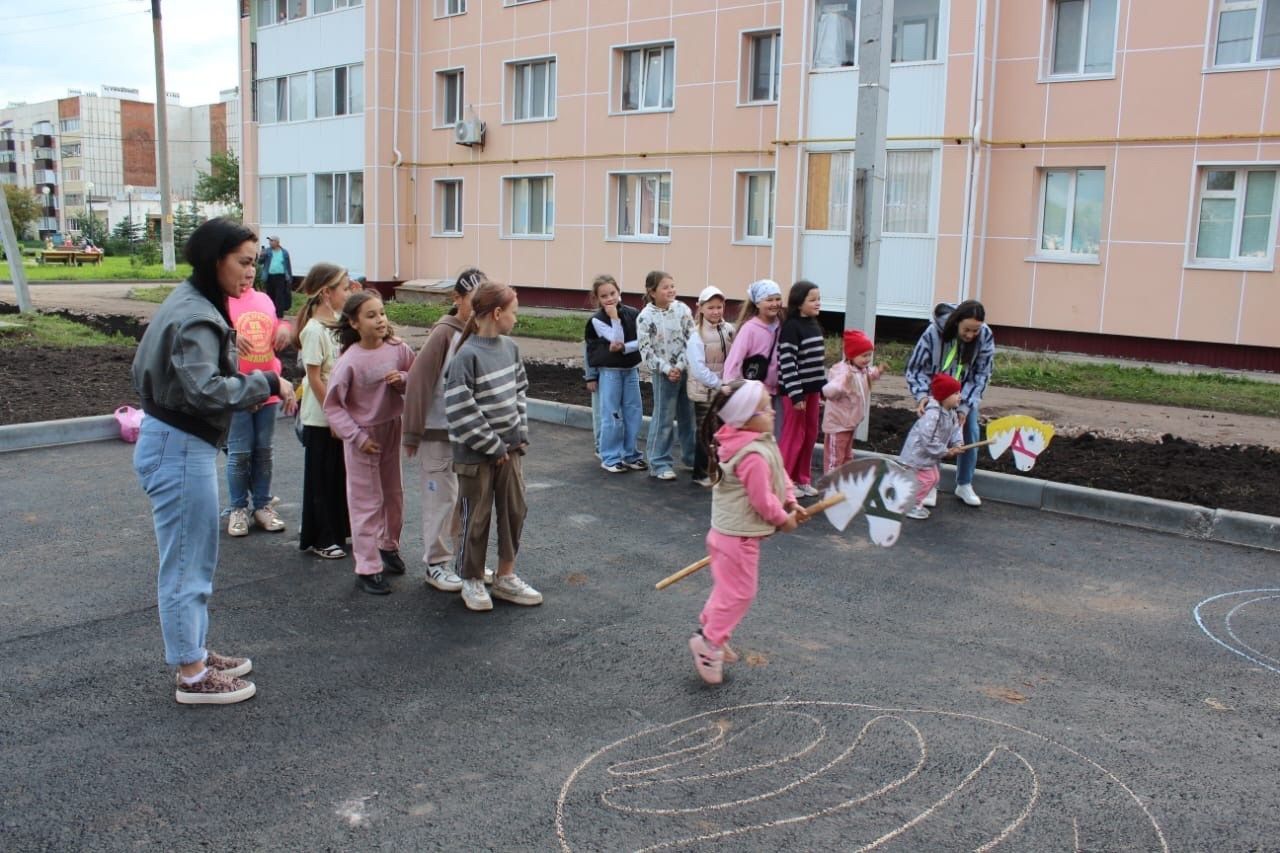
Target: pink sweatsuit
x: 735, y: 559
x: 360, y: 405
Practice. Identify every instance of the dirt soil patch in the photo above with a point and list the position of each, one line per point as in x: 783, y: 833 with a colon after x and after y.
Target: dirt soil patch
x: 49, y: 383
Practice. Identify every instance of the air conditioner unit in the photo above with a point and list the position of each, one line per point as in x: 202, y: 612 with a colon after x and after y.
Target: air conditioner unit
x: 469, y: 132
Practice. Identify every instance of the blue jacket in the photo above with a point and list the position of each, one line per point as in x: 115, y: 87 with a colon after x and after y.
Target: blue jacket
x: 926, y: 360
x: 264, y: 263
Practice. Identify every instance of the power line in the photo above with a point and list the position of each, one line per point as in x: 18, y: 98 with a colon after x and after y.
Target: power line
x: 51, y: 12
x: 75, y: 22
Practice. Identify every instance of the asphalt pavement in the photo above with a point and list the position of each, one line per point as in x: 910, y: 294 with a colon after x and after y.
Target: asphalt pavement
x: 1001, y: 675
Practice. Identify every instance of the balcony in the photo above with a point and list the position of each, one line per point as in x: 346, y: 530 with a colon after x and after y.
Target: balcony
x: 42, y: 140
x: 47, y: 223
x: 44, y: 164
x: 7, y: 143
x: 44, y: 176
x: 8, y: 167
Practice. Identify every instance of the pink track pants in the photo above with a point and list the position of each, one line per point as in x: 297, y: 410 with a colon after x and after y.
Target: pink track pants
x: 735, y: 572
x: 375, y: 497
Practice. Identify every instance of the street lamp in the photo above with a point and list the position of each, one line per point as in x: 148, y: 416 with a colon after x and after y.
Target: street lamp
x: 88, y: 199
x: 44, y: 209
x: 128, y: 191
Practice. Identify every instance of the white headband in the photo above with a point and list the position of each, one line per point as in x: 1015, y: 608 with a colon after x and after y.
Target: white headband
x: 741, y: 407
x: 763, y: 289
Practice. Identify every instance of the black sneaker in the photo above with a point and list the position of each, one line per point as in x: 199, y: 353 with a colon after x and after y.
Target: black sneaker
x: 373, y: 584
x: 391, y: 562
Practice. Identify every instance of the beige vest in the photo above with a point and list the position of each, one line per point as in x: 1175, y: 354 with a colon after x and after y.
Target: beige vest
x: 715, y: 354
x: 731, y: 511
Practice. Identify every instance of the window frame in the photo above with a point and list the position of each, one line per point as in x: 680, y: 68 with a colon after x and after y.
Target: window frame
x: 1215, y: 27
x: 741, y: 208
x: 930, y: 216
x: 613, y: 198
x: 348, y: 97
x: 512, y: 71
x: 1066, y: 256
x: 846, y: 206
x: 284, y: 85
x: 441, y: 8
x: 619, y: 70
x: 345, y: 198
x: 441, y: 94
x: 288, y: 179
x: 1048, y: 54
x: 509, y: 184
x: 1236, y: 262
x: 748, y: 54
x: 439, y: 201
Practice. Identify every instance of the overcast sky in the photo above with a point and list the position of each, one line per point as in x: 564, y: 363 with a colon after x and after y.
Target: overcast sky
x: 50, y: 46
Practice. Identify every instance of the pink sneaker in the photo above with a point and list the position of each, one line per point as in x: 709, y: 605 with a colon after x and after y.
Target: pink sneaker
x: 707, y: 659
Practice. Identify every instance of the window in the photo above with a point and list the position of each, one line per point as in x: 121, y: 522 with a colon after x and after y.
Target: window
x: 298, y: 97
x: 764, y: 62
x: 1248, y: 32
x: 1071, y: 212
x: 445, y: 8
x: 282, y: 99
x: 648, y: 78
x: 297, y: 9
x: 907, y: 189
x: 72, y: 150
x: 449, y: 97
x: 74, y: 173
x: 283, y: 200
x: 272, y: 11
x: 829, y: 191
x: 1084, y: 38
x: 318, y: 6
x: 1237, y: 215
x: 643, y: 208
x: 532, y: 206
x: 915, y: 31
x: 75, y: 199
x: 335, y: 198
x: 339, y: 91
x: 449, y: 208
x: 755, y: 207
x: 835, y: 42
x: 69, y: 125
x: 533, y: 89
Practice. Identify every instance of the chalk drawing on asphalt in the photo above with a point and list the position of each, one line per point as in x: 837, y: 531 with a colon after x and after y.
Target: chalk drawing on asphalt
x: 808, y: 775
x: 1219, y: 616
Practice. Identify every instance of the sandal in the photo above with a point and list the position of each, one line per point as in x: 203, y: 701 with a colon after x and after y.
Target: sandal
x: 329, y: 552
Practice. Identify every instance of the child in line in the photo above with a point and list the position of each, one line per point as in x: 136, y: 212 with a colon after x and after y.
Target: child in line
x: 363, y: 404
x: 848, y: 396
x: 934, y: 436
x: 613, y: 352
x: 426, y: 428
x: 663, y: 328
x: 259, y: 335
x: 485, y: 402
x: 325, y: 524
x: 752, y: 498
x: 708, y: 348
x: 754, y: 354
x: 801, y: 375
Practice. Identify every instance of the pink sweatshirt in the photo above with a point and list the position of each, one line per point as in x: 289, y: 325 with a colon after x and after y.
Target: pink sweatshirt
x: 848, y: 396
x: 755, y: 475
x: 754, y: 338
x: 254, y: 316
x: 359, y: 396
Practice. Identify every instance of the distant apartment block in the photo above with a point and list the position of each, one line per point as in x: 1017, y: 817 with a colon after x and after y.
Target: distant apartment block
x: 1092, y: 170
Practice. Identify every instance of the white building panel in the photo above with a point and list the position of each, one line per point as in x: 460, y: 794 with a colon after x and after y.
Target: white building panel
x: 319, y: 41
x: 320, y: 145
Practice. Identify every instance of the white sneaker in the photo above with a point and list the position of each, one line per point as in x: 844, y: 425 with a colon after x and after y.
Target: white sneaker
x: 917, y: 512
x: 440, y: 577
x: 511, y: 588
x: 968, y: 495
x: 931, y: 499
x: 238, y: 522
x: 665, y: 474
x: 804, y: 490
x: 488, y: 576
x: 267, y: 519
x: 475, y: 596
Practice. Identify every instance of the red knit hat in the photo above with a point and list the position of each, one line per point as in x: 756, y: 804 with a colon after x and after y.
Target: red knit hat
x: 856, y: 343
x: 943, y: 386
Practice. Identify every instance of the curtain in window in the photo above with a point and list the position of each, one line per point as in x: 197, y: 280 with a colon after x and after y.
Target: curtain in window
x: 625, y: 226
x: 834, y: 42
x: 324, y: 199
x: 1255, y: 230
x: 632, y: 74
x: 828, y: 191
x: 355, y: 198
x: 647, y: 214
x: 282, y: 98
x: 906, y: 192
x: 324, y: 93
x: 297, y: 201
x: 282, y: 201
x: 653, y: 78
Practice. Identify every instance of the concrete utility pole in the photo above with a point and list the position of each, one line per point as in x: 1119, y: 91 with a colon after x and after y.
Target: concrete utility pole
x: 875, y: 45
x: 162, y: 142
x: 14, y: 252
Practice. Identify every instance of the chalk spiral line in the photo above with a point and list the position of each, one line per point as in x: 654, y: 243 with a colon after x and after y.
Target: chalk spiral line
x: 886, y: 712
x: 1263, y: 594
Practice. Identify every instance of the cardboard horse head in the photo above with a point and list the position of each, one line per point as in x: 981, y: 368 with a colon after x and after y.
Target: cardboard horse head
x: 1025, y: 436
x: 881, y: 489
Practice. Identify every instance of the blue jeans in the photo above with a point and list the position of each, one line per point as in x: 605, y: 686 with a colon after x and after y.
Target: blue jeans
x: 249, y: 457
x: 966, y: 462
x: 595, y: 418
x: 671, y: 408
x: 620, y: 414
x: 179, y: 474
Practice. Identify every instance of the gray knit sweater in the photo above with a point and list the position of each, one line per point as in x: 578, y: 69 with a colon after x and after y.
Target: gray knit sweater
x: 484, y: 399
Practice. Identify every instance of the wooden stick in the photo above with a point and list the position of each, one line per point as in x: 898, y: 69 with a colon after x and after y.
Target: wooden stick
x: 975, y: 444
x: 809, y: 512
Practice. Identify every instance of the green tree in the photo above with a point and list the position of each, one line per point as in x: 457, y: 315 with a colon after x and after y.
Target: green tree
x: 185, y: 220
x: 24, y: 208
x: 125, y: 237
x: 93, y: 228
x: 221, y: 184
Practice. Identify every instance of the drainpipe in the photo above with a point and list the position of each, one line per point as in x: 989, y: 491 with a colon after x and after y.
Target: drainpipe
x: 973, y: 161
x: 398, y: 157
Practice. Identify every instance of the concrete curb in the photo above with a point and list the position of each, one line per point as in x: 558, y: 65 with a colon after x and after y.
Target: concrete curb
x: 1196, y: 522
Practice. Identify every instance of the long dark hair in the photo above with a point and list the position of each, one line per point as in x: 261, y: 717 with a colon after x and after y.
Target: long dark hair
x: 466, y: 282
x: 799, y: 293
x: 347, y: 334
x: 206, y: 247
x: 321, y: 278
x: 710, y: 424
x: 485, y: 299
x: 970, y: 309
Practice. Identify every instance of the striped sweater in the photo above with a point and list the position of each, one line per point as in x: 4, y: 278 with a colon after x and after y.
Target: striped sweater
x: 802, y: 365
x: 485, y: 394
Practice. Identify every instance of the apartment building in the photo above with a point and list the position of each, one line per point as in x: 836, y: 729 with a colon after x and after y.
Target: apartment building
x: 97, y: 151
x: 1100, y: 173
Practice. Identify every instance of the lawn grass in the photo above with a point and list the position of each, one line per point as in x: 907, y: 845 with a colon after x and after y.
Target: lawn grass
x: 1210, y: 391
x: 47, y: 330
x: 111, y: 269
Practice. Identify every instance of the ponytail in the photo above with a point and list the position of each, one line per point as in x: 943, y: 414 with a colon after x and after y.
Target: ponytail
x: 711, y: 424
x: 321, y: 278
x: 487, y: 298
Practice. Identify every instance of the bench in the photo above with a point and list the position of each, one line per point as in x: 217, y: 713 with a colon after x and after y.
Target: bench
x: 58, y: 256
x: 94, y: 258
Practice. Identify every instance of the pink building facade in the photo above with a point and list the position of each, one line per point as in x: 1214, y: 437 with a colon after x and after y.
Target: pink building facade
x: 1095, y: 171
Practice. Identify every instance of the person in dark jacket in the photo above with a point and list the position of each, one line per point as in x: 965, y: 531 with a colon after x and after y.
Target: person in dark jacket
x: 186, y: 371
x: 613, y: 352
x: 277, y: 274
